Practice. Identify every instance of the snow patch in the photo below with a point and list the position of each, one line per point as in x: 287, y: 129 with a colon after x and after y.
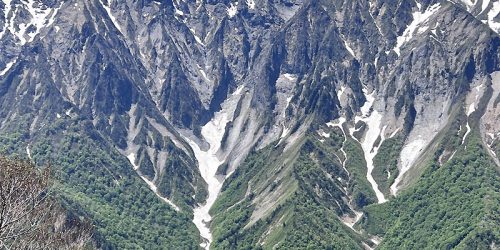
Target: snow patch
x: 179, y: 12
x: 290, y: 77
x: 68, y: 112
x: 131, y: 151
x: 6, y: 12
x: 494, y: 11
x: 197, y: 38
x: 7, y: 67
x: 468, y: 3
x: 133, y: 130
x: 408, y: 156
x: 204, y: 75
x: 284, y: 132
x: 285, y: 85
x: 466, y: 133
x: 251, y: 4
x: 419, y: 5
x: 451, y: 157
x: 28, y: 152
x: 38, y: 19
x: 373, y: 122
x: 110, y: 14
x: 351, y: 51
x: 485, y: 5
x: 489, y: 10
x: 232, y: 10
x: 209, y: 161
x: 419, y: 18
x: 323, y: 134
x: 131, y: 158
x: 394, y: 133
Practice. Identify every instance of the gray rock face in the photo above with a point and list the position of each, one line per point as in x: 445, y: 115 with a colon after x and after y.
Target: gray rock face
x: 147, y: 76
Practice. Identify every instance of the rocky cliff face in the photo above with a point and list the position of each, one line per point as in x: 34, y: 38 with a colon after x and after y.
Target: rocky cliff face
x: 186, y: 90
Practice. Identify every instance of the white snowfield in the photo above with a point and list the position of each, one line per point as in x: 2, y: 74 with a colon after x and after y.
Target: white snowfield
x: 131, y: 158
x: 373, y: 122
x: 347, y: 220
x: 494, y: 11
x: 6, y: 10
x: 209, y: 162
x: 419, y: 25
x: 200, y: 41
x: 351, y: 51
x: 489, y: 10
x: 7, y: 67
x: 110, y: 14
x: 409, y: 155
x: 232, y: 10
x: 39, y: 17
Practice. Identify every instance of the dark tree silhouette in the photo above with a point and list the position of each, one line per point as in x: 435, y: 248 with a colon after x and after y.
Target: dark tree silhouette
x: 30, y: 218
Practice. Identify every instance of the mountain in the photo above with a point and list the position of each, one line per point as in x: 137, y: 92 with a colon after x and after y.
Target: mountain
x: 261, y: 123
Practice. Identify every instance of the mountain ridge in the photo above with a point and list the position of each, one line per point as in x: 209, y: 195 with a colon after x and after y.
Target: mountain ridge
x: 167, y: 85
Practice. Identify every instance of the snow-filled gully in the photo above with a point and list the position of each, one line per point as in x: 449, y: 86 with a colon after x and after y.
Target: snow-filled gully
x: 209, y: 162
x: 373, y: 122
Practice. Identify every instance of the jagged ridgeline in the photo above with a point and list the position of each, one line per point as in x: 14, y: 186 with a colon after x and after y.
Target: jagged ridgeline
x: 242, y: 124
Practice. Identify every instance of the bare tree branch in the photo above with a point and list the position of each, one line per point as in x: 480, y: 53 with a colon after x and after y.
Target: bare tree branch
x: 29, y: 216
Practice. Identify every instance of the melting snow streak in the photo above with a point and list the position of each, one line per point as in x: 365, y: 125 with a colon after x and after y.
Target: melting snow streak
x: 373, y: 121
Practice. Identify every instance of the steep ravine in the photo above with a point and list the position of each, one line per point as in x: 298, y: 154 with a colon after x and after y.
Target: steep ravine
x: 209, y: 161
x: 369, y: 144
